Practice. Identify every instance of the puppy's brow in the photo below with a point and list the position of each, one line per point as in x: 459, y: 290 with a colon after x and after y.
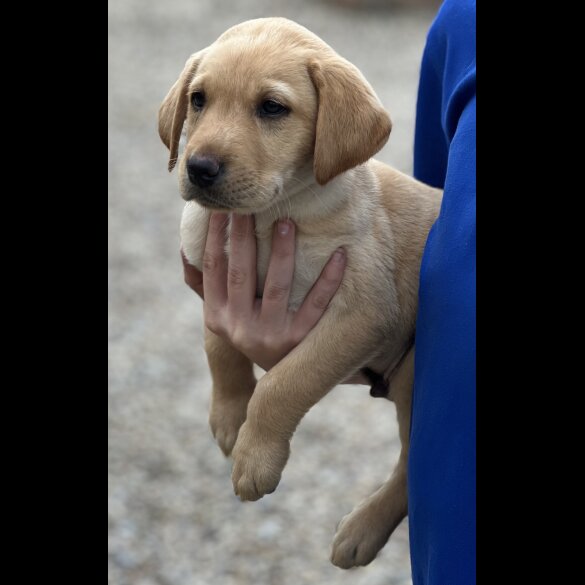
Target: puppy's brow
x: 279, y: 89
x: 197, y: 82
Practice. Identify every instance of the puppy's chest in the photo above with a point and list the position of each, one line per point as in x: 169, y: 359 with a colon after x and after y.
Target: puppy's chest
x: 311, y: 255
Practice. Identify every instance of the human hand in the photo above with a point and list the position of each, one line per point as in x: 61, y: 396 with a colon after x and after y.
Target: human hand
x: 264, y: 330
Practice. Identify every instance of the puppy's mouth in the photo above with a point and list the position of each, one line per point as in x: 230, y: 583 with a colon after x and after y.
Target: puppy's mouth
x: 209, y: 197
x: 254, y: 201
x: 206, y: 199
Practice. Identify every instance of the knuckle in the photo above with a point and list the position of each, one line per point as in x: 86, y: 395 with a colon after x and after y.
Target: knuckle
x: 276, y: 339
x: 276, y: 292
x: 320, y: 301
x: 330, y: 279
x: 214, y: 324
x: 240, y: 338
x: 269, y: 342
x: 238, y: 234
x: 236, y: 276
x: 210, y: 262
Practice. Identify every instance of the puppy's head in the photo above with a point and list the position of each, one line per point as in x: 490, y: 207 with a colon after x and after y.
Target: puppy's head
x: 263, y: 101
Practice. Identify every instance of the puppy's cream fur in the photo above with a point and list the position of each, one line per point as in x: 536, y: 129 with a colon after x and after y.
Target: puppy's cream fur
x: 312, y: 164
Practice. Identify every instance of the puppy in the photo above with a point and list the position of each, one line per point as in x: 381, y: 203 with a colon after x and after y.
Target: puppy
x: 279, y: 125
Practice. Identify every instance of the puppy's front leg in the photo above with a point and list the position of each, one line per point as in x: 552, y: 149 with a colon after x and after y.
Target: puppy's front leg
x: 233, y: 384
x: 335, y: 349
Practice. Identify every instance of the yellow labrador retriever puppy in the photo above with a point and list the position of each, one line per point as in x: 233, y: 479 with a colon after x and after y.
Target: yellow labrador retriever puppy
x: 279, y: 125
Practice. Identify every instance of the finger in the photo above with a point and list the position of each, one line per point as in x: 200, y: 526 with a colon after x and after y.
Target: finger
x: 193, y: 277
x: 215, y: 263
x: 280, y: 273
x: 321, y: 294
x: 241, y: 275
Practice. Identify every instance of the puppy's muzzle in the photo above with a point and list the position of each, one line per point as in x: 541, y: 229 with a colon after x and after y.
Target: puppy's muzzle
x: 204, y: 171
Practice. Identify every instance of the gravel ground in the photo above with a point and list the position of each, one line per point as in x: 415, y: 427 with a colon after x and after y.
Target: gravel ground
x: 173, y: 518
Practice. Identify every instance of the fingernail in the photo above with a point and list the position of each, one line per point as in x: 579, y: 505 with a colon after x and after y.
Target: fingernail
x: 283, y: 227
x: 339, y: 255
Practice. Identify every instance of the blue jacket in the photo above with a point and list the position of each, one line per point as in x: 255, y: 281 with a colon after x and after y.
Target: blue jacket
x: 441, y: 479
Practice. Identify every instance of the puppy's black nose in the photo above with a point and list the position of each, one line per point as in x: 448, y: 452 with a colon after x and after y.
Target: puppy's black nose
x: 203, y: 170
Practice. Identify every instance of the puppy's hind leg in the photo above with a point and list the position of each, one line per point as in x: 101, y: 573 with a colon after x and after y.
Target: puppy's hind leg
x: 363, y: 533
x: 233, y: 385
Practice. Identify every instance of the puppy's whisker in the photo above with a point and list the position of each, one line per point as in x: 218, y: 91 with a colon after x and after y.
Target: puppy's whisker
x: 307, y: 186
x: 225, y: 224
x: 273, y: 214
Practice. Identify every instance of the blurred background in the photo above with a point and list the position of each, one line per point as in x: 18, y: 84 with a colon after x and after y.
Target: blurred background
x: 173, y: 518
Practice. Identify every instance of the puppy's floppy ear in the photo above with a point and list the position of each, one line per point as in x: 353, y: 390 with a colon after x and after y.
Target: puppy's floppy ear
x: 352, y: 125
x: 173, y: 110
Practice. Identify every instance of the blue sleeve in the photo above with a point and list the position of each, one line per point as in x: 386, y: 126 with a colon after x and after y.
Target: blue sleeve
x: 441, y: 480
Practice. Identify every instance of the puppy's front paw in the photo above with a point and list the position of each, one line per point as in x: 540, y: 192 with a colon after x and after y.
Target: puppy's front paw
x: 360, y: 536
x: 225, y: 419
x: 258, y: 464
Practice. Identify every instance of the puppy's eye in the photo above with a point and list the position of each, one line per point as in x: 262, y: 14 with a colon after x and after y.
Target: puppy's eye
x: 272, y: 109
x: 198, y: 100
